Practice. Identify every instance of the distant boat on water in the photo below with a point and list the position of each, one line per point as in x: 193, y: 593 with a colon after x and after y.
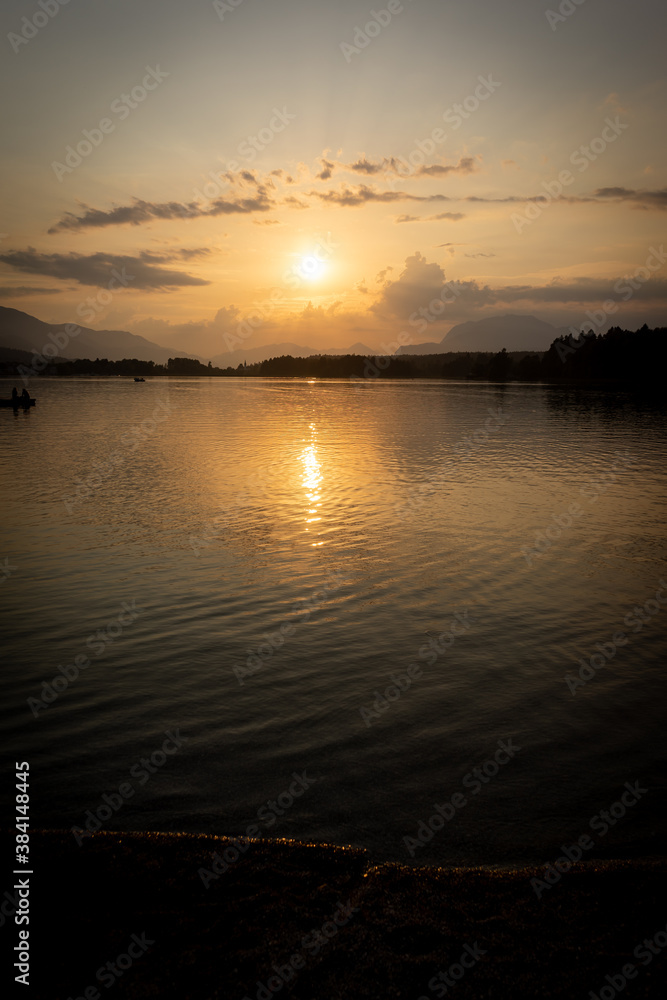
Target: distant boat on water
x: 140, y: 380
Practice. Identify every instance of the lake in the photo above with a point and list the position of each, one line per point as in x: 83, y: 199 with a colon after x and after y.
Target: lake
x: 426, y: 618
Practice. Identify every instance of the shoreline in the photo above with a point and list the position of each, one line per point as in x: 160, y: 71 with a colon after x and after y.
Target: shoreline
x: 338, y: 924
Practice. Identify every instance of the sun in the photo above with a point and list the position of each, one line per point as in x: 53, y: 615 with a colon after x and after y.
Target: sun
x: 311, y: 268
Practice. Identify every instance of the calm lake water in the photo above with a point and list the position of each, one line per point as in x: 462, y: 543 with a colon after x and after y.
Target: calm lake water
x: 247, y: 564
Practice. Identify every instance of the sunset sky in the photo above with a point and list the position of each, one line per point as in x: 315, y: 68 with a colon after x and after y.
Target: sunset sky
x: 262, y: 170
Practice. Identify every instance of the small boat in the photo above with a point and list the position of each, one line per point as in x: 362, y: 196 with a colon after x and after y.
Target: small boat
x: 140, y: 380
x: 18, y: 402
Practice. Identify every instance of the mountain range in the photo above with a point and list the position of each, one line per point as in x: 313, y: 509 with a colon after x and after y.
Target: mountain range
x: 515, y: 333
x: 22, y: 332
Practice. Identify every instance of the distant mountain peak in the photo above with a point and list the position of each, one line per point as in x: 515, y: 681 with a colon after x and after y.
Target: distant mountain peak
x: 514, y: 332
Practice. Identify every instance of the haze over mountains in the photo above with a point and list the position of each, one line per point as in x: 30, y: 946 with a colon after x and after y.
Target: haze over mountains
x: 22, y: 332
x: 515, y: 333
x: 19, y: 331
x: 255, y: 354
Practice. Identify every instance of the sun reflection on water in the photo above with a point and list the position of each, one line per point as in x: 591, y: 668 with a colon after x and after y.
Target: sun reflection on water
x: 311, y: 480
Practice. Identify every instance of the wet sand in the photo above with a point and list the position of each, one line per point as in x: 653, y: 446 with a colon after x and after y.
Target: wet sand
x: 318, y: 922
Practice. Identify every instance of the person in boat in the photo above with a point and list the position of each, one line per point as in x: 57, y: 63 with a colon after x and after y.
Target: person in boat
x: 15, y: 395
x: 25, y: 395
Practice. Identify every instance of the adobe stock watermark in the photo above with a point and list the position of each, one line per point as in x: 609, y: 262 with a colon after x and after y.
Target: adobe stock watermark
x: 217, y: 526
x: 639, y: 616
x: 142, y: 771
x: 97, y: 643
x: 442, y: 982
x: 222, y: 7
x: 454, y: 116
x: 267, y: 814
x: 248, y: 150
x: 601, y: 824
x: 312, y: 944
x: 6, y: 570
x: 597, y: 485
x: 258, y: 656
x: 47, y: 10
x: 267, y: 476
x: 645, y: 952
x: 475, y: 780
x: 9, y: 907
x: 373, y: 368
x: 121, y: 107
x: 88, y: 310
x: 466, y: 446
x: 362, y: 38
x: 565, y: 10
x: 401, y: 682
x: 582, y: 157
x: 130, y: 440
x: 625, y: 288
x: 293, y: 278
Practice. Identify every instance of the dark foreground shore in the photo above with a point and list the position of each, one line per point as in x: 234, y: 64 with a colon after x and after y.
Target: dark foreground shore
x: 130, y: 915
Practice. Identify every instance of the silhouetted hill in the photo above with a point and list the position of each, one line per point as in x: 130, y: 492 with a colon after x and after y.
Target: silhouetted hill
x: 20, y: 331
x: 514, y: 333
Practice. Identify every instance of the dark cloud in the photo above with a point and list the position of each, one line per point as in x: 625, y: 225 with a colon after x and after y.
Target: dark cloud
x: 241, y: 178
x: 134, y: 215
x: 261, y: 199
x: 352, y: 198
x: 466, y: 165
x: 141, y: 212
x: 451, y: 216
x: 185, y: 253
x: 96, y: 269
x: 364, y: 166
x: 510, y: 199
x: 642, y: 199
x: 327, y: 170
x: 295, y: 202
x: 242, y: 206
x: 18, y: 291
x: 579, y: 291
x: 420, y: 282
x: 393, y: 164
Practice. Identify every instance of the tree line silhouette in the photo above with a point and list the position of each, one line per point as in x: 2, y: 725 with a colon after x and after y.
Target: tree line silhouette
x: 616, y: 356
